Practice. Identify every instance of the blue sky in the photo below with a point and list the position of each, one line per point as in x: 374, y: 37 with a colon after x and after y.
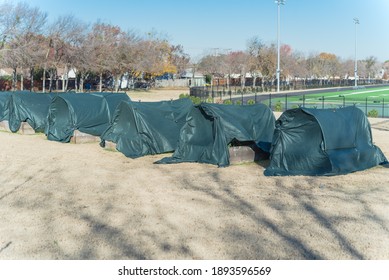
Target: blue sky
x: 310, y: 26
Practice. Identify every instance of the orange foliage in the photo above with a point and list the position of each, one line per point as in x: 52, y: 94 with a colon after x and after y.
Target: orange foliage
x: 327, y: 56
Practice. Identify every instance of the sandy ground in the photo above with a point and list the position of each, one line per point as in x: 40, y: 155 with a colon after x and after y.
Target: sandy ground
x: 156, y: 95
x: 79, y: 201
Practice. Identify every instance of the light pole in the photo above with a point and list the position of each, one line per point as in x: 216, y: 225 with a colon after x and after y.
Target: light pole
x: 356, y: 22
x: 278, y: 2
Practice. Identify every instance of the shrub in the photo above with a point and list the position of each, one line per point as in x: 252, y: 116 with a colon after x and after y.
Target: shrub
x: 183, y: 95
x: 278, y: 107
x: 195, y: 100
x: 227, y: 102
x: 250, y: 102
x: 209, y: 100
x: 208, y: 79
x: 372, y: 114
x: 238, y: 102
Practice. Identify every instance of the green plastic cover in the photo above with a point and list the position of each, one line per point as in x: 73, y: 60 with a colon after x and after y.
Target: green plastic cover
x: 147, y: 128
x: 210, y: 128
x: 5, y: 97
x: 322, y: 142
x: 29, y: 107
x: 89, y: 113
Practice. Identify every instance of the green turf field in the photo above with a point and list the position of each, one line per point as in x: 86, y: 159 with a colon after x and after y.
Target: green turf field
x: 367, y: 99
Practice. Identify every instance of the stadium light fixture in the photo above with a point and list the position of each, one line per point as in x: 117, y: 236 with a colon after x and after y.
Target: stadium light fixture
x: 279, y: 3
x: 356, y: 22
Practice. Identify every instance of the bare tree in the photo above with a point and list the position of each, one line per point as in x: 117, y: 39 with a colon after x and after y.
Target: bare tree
x: 20, y: 24
x: 65, y: 36
x: 268, y: 57
x: 238, y: 63
x: 33, y: 55
x: 156, y: 57
x: 179, y: 58
x: 212, y: 65
x: 125, y: 56
x: 347, y: 68
x: 254, y: 51
x: 103, y: 42
x: 369, y: 64
x: 114, y: 52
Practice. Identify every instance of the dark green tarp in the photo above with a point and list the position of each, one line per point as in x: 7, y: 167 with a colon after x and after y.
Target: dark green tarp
x: 147, y: 128
x: 29, y: 107
x: 210, y: 128
x: 5, y: 97
x: 89, y: 113
x: 322, y: 142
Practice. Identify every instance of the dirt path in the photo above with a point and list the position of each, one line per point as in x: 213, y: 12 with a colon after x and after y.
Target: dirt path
x: 154, y: 95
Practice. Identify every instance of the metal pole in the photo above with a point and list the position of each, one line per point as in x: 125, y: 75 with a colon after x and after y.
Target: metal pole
x: 356, y: 21
x: 270, y: 101
x: 383, y: 108
x: 278, y: 2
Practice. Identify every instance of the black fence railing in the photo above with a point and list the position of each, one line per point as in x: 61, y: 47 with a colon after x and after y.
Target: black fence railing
x: 372, y: 106
x: 262, y: 87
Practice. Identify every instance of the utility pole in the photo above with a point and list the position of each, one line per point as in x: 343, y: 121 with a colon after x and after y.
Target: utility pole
x: 356, y: 22
x: 278, y: 2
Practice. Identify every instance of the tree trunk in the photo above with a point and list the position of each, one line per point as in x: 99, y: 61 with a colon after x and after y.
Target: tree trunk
x: 65, y: 79
x: 32, y: 79
x: 101, y: 82
x: 65, y: 84
x: 21, y: 82
x: 192, y: 83
x: 44, y: 80
x: 75, y: 82
x: 120, y: 82
x: 81, y: 88
x: 51, y: 80
x: 117, y: 82
x: 56, y: 82
x: 14, y: 79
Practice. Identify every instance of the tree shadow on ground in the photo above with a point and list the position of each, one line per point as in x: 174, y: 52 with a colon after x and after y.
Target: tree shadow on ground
x: 298, y: 246
x: 272, y: 232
